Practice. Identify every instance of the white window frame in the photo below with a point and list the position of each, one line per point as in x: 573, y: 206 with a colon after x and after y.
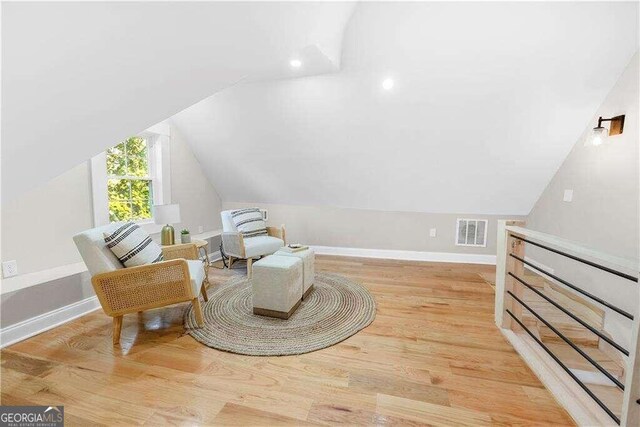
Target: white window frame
x: 477, y: 220
x: 158, y: 139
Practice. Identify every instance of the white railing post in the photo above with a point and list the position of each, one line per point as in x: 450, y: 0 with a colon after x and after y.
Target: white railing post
x: 504, y: 282
x: 501, y: 272
x: 630, y: 406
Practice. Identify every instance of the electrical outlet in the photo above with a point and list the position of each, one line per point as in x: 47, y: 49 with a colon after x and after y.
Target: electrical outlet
x: 432, y: 232
x: 9, y: 268
x: 200, y: 229
x: 568, y: 195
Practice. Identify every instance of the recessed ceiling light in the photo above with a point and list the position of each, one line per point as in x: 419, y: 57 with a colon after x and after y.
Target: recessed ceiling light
x: 387, y: 84
x: 295, y: 63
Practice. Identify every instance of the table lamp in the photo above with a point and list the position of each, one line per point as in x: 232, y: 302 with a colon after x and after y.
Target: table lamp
x: 167, y: 214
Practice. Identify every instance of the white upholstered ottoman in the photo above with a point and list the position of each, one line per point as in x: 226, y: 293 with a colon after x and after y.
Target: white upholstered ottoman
x: 277, y: 286
x: 307, y: 257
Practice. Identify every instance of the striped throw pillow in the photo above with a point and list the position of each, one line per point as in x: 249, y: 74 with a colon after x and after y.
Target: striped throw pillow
x: 249, y: 222
x: 133, y: 246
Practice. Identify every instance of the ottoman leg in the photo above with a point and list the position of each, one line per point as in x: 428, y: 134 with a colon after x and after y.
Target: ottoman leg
x: 308, y: 291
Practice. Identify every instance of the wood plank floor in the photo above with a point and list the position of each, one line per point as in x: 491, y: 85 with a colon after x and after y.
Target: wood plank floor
x: 432, y: 356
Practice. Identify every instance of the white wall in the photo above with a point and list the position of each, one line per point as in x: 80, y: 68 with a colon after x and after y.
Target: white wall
x: 371, y: 229
x: 199, y: 202
x: 37, y: 227
x: 604, y: 211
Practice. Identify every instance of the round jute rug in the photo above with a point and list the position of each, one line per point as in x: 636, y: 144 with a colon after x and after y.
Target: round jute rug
x: 336, y: 309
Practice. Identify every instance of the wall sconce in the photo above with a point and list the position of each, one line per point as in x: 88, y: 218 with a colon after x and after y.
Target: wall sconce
x: 600, y: 134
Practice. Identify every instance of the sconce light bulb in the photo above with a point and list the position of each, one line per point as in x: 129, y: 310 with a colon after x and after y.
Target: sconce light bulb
x: 598, y: 136
x: 387, y: 84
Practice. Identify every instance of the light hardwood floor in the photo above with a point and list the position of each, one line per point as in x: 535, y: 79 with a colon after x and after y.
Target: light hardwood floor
x: 432, y: 356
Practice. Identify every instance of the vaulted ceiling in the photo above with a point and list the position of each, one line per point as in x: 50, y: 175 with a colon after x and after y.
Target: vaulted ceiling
x: 488, y: 100
x: 488, y: 97
x: 79, y: 76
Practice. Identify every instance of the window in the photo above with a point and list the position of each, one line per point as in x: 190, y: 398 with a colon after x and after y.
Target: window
x: 471, y: 232
x: 132, y: 176
x: 129, y: 181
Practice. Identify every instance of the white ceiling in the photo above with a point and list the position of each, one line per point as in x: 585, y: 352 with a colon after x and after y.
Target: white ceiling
x: 78, y: 77
x: 488, y: 97
x: 488, y: 100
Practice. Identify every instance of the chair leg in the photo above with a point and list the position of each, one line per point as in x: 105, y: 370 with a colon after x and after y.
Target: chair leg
x: 203, y: 291
x: 198, y: 309
x: 117, y: 329
x: 249, y: 267
x: 230, y: 261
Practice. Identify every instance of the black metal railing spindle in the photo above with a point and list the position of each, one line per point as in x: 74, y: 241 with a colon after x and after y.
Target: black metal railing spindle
x: 571, y: 343
x: 600, y: 334
x: 582, y: 260
x: 575, y: 288
x: 573, y: 316
x: 567, y: 370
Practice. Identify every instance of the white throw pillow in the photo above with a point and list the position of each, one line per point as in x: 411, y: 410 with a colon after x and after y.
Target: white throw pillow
x: 249, y: 222
x: 133, y: 246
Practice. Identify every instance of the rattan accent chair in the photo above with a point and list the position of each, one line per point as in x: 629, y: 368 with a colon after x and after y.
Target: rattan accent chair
x: 179, y: 278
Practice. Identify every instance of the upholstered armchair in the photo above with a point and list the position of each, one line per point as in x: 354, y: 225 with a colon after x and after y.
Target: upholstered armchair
x: 237, y: 247
x: 179, y: 278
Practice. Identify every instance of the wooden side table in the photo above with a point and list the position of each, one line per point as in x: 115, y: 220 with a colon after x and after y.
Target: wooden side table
x: 203, y: 245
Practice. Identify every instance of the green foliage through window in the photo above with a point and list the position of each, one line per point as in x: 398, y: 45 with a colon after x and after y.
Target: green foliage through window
x: 129, y: 184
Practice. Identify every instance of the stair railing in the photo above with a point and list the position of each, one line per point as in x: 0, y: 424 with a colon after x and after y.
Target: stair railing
x: 510, y: 287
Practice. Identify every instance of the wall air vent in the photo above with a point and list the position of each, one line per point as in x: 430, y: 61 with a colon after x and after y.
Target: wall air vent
x: 471, y: 232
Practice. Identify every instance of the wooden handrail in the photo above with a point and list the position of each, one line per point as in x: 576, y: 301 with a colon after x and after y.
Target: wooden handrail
x: 630, y: 265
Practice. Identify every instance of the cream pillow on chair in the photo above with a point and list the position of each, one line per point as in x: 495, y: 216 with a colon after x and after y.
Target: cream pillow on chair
x: 249, y: 222
x: 133, y: 246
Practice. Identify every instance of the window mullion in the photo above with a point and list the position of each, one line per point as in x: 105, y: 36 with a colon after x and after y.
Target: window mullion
x: 138, y: 178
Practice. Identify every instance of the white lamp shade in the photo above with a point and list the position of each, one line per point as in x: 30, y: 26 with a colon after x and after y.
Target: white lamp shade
x: 598, y: 136
x: 166, y: 214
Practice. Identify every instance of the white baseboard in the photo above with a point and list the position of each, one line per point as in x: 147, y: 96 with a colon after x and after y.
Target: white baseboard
x: 406, y: 255
x: 36, y: 325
